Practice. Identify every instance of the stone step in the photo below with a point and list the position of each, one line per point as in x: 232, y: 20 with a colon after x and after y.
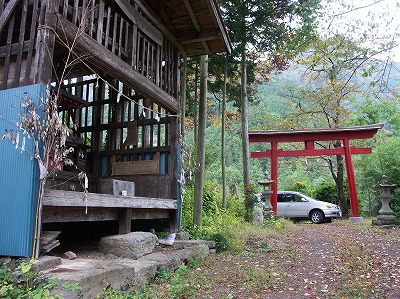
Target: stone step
x: 93, y: 275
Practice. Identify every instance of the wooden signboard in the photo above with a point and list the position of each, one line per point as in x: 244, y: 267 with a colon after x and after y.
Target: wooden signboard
x: 136, y: 167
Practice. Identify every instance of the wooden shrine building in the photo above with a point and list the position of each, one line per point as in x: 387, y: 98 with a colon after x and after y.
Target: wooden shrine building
x: 116, y: 65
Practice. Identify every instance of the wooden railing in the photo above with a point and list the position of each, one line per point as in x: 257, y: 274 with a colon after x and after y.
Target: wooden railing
x: 128, y: 35
x: 118, y: 26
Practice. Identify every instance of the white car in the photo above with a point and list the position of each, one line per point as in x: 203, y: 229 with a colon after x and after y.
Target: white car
x: 296, y: 205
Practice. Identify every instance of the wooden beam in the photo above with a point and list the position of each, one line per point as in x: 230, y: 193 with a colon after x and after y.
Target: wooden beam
x: 358, y: 132
x: 6, y: 14
x: 201, y: 37
x: 166, y: 20
x: 140, y: 21
x: 192, y: 15
x: 72, y: 214
x: 61, y: 198
x: 315, y: 152
x: 196, y: 25
x: 153, y: 17
x: 113, y: 65
x: 218, y: 20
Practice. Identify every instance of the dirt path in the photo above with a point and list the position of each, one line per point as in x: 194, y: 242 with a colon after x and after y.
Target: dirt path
x: 334, y: 260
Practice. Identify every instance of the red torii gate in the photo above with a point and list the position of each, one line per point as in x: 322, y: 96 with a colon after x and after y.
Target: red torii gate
x: 309, y: 137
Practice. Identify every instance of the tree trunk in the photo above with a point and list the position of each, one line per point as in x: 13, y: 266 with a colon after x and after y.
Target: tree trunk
x: 245, y: 124
x: 201, y: 148
x: 195, y: 129
x: 223, y: 162
x: 183, y: 96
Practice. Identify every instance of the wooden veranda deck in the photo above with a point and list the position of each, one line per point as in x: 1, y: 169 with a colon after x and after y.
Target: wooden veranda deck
x: 71, y: 206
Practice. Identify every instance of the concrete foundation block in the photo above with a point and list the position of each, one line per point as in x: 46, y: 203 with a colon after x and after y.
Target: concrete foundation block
x: 356, y: 219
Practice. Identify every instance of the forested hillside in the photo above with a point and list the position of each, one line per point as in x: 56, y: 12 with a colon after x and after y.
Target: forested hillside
x: 335, y: 69
x: 275, y: 107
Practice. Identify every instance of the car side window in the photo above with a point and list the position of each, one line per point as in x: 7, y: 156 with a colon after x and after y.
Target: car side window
x: 290, y: 198
x: 281, y: 198
x: 298, y: 198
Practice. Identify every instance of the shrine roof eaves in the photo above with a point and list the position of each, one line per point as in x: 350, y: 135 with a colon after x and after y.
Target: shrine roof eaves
x: 196, y: 26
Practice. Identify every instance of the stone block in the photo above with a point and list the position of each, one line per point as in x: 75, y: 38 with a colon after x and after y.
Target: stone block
x: 132, y: 245
x: 47, y: 262
x: 190, y: 243
x: 166, y: 261
x: 117, y: 187
x: 182, y: 236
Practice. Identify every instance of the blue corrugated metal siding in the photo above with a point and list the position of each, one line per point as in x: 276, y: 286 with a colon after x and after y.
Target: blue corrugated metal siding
x: 19, y: 183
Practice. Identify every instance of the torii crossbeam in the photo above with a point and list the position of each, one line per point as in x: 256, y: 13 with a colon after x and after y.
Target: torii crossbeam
x: 309, y: 137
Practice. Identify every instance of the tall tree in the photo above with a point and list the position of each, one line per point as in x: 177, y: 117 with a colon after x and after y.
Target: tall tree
x: 332, y: 69
x: 183, y: 95
x: 264, y: 28
x: 201, y: 146
x: 223, y: 112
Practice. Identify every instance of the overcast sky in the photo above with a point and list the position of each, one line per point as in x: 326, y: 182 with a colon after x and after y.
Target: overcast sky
x: 357, y: 16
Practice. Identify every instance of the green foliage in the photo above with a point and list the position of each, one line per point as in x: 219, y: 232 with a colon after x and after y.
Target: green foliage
x: 222, y: 242
x: 276, y: 223
x: 210, y: 204
x: 162, y: 276
x: 326, y: 192
x: 178, y: 285
x: 384, y: 160
x: 218, y: 223
x: 18, y: 280
x: 249, y: 200
x: 109, y: 293
x: 73, y: 286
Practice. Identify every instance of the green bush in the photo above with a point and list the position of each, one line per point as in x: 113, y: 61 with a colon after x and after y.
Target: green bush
x: 19, y: 280
x: 326, y: 192
x: 115, y: 294
x: 222, y: 242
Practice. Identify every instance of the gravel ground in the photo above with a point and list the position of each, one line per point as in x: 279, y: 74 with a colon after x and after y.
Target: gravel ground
x: 331, y: 260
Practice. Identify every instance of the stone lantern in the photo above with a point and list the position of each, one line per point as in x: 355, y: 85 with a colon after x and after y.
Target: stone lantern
x: 266, y: 184
x: 386, y: 216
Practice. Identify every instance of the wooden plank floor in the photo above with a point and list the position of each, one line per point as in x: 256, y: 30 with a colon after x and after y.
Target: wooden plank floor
x: 70, y: 206
x: 62, y: 198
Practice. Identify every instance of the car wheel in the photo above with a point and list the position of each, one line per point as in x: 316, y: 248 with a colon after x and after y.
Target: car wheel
x: 316, y: 217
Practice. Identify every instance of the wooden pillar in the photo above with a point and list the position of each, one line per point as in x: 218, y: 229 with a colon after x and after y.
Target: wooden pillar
x: 173, y: 223
x: 98, y: 95
x: 351, y: 178
x: 174, y: 141
x: 45, y: 43
x: 124, y: 221
x: 183, y: 96
x: 274, y: 176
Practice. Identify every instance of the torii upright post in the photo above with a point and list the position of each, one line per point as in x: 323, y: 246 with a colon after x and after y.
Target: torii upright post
x: 274, y: 176
x: 351, y: 181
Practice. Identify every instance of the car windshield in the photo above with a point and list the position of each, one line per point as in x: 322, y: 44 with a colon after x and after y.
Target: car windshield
x: 307, y: 197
